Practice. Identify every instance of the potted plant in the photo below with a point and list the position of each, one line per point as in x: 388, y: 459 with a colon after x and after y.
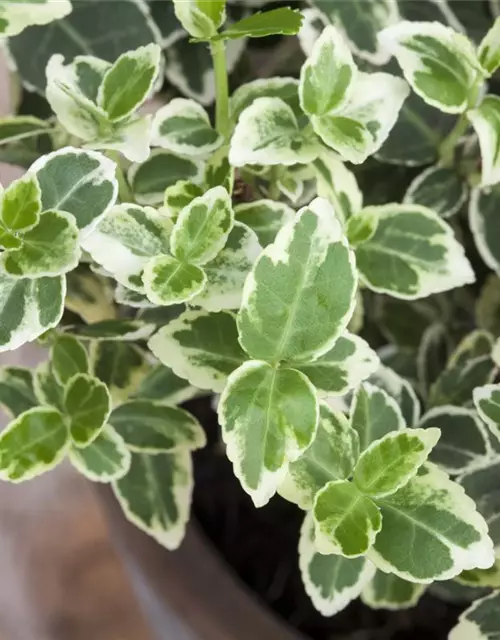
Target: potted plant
x: 309, y: 269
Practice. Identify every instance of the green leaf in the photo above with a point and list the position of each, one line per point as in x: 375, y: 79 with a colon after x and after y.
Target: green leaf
x: 265, y: 217
x: 358, y: 129
x: 481, y: 485
x: 344, y: 367
x: 330, y: 60
x: 412, y: 254
x: 487, y: 403
x: 32, y: 444
x: 483, y: 221
x: 47, y: 389
x: 374, y: 414
x: 161, y: 170
x: 387, y: 591
x: 121, y: 330
x: 360, y: 22
x: 153, y: 427
x: 214, y: 9
x: 489, y: 49
x: 162, y: 385
x: 90, y: 296
x: 431, y: 531
x: 360, y: 228
x: 401, y: 390
x: 16, y: 390
x: 331, y: 581
x: 130, y: 137
x: 269, y: 418
x: 338, y: 185
x: 28, y: 308
x: 68, y: 357
x: 487, y: 311
x: 331, y: 456
x: 469, y: 366
x: 88, y: 404
x: 105, y: 459
x: 127, y: 239
x: 86, y: 30
x: 201, y: 347
x: 129, y: 81
x: 286, y: 89
x: 18, y: 128
x: 391, y: 462
x: 481, y: 621
x: 464, y: 439
x: 226, y: 274
x: 168, y: 281
x: 486, y: 121
x: 16, y: 16
x: 346, y: 521
x: 179, y: 195
x: 77, y: 181
x: 183, y: 126
x: 268, y: 133
x: 121, y: 366
x: 300, y: 294
x: 282, y: 21
x: 9, y: 240
x: 481, y: 577
x: 440, y: 64
x: 440, y: 189
x: 202, y: 228
x: 155, y: 495
x: 49, y: 249
x: 195, y: 20
x: 21, y: 204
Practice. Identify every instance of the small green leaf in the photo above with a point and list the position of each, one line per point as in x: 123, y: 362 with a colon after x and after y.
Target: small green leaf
x: 155, y: 495
x: 103, y: 460
x: 162, y: 385
x: 338, y: 185
x: 387, y: 591
x: 440, y: 189
x: 486, y: 121
x: 269, y: 418
x: 153, y: 427
x: 121, y: 366
x: 21, y: 204
x: 347, y: 522
x: 331, y: 581
x: 16, y: 390
x: 489, y: 49
x: 168, y: 281
x: 129, y: 81
x: 68, y: 357
x: 282, y: 21
x: 389, y: 463
x: 88, y: 405
x: 183, y: 126
x: 179, y: 195
x: 201, y: 347
x: 327, y: 77
x: 268, y: 133
x: 360, y: 228
x: 431, y: 530
x: 487, y: 403
x: 195, y: 20
x: 265, y: 217
x: 300, y: 294
x: 17, y: 128
x: 49, y: 249
x: 481, y: 621
x: 412, y: 254
x: 440, y: 64
x: 464, y: 439
x: 9, y: 241
x: 47, y: 389
x: 32, y: 444
x: 286, y: 89
x: 202, y: 228
x: 374, y: 414
x: 331, y: 456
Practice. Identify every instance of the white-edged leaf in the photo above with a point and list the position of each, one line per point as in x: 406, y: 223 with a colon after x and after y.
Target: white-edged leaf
x: 163, y: 385
x: 195, y: 19
x: 183, y: 126
x: 268, y: 133
x: 89, y: 296
x: 16, y: 16
x: 331, y: 581
x: 487, y: 403
x: 47, y: 389
x: 300, y: 294
x: 481, y: 621
x: 387, y: 591
x: 269, y: 418
x: 16, y: 390
x: 131, y: 138
x: 440, y: 189
x: 486, y: 121
x: 105, y: 459
x: 87, y: 404
x: 412, y: 254
x: 286, y: 89
x: 201, y: 347
x: 431, y: 530
x: 464, y: 440
x: 331, y: 456
x: 20, y: 205
x: 68, y: 357
x: 120, y: 365
x: 121, y: 330
x: 155, y: 495
x: 338, y: 185
x: 401, y: 390
x: 265, y: 217
x: 489, y: 49
x: 281, y: 21
x: 483, y: 221
x: 168, y: 281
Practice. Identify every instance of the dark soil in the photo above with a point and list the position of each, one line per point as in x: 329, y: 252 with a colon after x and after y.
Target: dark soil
x: 261, y: 547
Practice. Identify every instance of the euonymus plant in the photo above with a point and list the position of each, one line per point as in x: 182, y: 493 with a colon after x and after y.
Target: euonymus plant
x: 173, y: 254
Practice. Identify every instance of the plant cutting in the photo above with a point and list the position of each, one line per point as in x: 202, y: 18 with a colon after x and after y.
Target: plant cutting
x: 315, y: 255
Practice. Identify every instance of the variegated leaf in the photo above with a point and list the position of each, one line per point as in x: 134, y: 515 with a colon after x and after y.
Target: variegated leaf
x: 487, y: 403
x: 87, y: 404
x: 440, y: 189
x: 265, y: 217
x: 388, y: 591
x: 16, y: 390
x: 481, y: 621
x: 16, y: 16
x: 483, y: 221
x: 338, y: 185
x: 168, y: 281
x: 105, y: 459
x: 486, y: 121
x: 120, y: 365
x: 68, y: 357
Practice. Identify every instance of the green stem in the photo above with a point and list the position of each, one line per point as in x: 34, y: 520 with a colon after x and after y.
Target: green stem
x: 222, y: 123
x: 274, y: 190
x: 124, y: 192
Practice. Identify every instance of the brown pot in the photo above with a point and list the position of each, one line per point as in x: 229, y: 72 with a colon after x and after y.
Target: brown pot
x: 191, y: 593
